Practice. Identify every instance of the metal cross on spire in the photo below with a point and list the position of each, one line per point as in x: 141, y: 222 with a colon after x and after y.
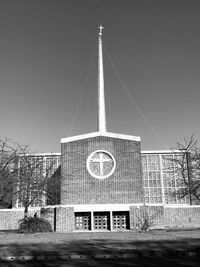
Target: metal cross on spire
x: 100, y: 29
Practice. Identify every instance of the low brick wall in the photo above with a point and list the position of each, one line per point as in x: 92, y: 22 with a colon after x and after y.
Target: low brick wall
x: 48, y: 213
x: 62, y: 218
x: 9, y: 217
x: 153, y: 214
x: 182, y: 217
x: 165, y: 217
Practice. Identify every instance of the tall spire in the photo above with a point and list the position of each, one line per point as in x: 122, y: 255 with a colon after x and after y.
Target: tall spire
x: 101, y: 120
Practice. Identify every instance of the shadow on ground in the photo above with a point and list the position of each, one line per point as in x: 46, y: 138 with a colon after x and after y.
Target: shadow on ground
x: 103, y: 253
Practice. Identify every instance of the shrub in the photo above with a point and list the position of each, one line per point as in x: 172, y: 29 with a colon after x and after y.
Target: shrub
x: 34, y: 225
x: 145, y: 221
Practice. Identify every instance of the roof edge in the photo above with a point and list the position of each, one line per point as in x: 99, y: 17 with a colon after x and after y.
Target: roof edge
x: 95, y: 134
x: 160, y: 151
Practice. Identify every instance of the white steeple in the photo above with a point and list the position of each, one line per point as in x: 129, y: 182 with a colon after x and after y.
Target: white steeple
x: 101, y: 119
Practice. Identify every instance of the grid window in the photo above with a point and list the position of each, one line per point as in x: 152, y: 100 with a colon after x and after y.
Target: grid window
x: 41, y: 168
x: 172, y: 179
x: 165, y: 173
x: 152, y: 178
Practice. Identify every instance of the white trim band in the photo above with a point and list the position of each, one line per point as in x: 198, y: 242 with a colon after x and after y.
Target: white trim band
x: 95, y: 134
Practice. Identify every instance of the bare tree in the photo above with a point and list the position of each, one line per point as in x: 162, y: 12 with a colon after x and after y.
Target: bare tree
x: 9, y: 153
x: 187, y: 165
x: 26, y: 178
x: 36, y: 180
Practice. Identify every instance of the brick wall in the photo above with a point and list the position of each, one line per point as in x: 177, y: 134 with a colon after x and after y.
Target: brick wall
x: 154, y: 215
x: 161, y: 217
x: 49, y: 215
x: 123, y: 186
x: 9, y: 217
x: 64, y: 219
x: 182, y: 217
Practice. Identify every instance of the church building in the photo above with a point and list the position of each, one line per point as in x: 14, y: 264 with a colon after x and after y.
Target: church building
x: 107, y: 183
x: 101, y: 172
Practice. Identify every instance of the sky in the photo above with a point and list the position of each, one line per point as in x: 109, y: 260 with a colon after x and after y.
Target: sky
x: 48, y: 70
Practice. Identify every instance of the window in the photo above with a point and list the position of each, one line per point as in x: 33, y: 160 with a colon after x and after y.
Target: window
x: 152, y: 178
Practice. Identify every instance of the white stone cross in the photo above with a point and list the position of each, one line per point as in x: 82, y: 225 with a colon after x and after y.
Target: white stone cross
x: 101, y: 161
x: 100, y: 29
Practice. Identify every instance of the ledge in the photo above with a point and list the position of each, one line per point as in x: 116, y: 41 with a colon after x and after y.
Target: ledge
x: 95, y: 134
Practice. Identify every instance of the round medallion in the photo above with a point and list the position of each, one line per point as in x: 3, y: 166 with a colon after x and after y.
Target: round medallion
x: 101, y: 164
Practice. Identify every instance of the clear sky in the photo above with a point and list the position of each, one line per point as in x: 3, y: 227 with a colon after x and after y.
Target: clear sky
x: 48, y: 61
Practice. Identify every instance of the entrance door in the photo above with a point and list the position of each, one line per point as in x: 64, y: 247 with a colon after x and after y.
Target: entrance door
x: 101, y: 221
x: 120, y: 220
x: 83, y: 221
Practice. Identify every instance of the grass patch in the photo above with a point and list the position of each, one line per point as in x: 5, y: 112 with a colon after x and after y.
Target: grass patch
x: 127, y: 236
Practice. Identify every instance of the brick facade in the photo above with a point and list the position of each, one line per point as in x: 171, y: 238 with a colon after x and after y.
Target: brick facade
x: 123, y: 186
x: 182, y: 217
x: 49, y: 215
x: 9, y: 217
x: 64, y: 219
x: 155, y: 215
x: 166, y: 217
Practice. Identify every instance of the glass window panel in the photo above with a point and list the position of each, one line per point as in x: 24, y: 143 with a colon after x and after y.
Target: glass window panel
x: 155, y: 192
x: 146, y: 191
x: 145, y: 175
x: 144, y: 162
x: 170, y: 198
x: 154, y: 175
x: 153, y: 162
x: 152, y: 183
x: 167, y: 162
x: 168, y: 179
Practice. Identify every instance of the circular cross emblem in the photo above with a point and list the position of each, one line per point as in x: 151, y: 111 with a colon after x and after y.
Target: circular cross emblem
x: 101, y: 164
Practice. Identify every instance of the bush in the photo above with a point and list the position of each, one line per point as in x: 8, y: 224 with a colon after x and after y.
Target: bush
x: 144, y: 221
x: 34, y: 225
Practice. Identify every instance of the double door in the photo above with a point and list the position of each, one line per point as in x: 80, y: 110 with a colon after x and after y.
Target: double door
x: 120, y: 220
x: 83, y: 221
x: 101, y: 220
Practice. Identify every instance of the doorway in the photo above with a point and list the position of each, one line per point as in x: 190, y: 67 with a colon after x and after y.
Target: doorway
x: 121, y: 220
x: 101, y: 220
x: 82, y: 221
